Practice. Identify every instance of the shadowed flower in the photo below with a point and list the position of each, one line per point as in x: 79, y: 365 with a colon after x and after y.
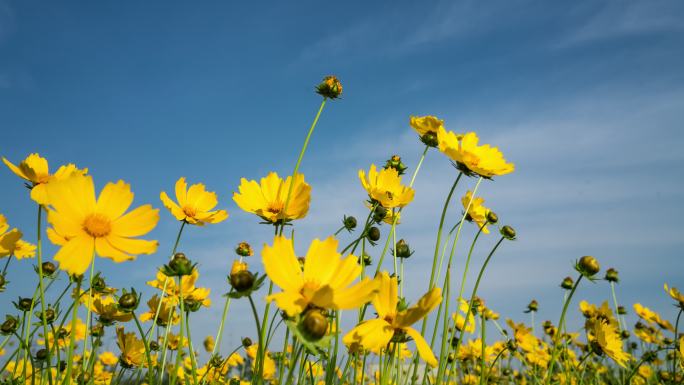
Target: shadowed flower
x: 385, y: 187
x: 267, y: 198
x: 108, y: 358
x: 35, y: 170
x: 132, y: 349
x: 675, y: 295
x: 8, y: 239
x: 84, y: 226
x: 471, y: 158
x: 164, y: 317
x: 608, y: 339
x: 194, y: 204
x: 326, y: 282
x: 392, y: 323
x: 190, y: 291
x: 477, y: 212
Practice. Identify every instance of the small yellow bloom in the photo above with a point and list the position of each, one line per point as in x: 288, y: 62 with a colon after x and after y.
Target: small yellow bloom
x: 35, y: 170
x: 326, y: 282
x: 459, y: 317
x: 676, y: 295
x: 132, y: 349
x: 269, y: 363
x: 238, y: 266
x: 190, y: 291
x: 166, y: 316
x: 108, y: 358
x: 8, y: 239
x: 64, y: 337
x: 84, y: 226
x: 267, y: 198
x: 608, y: 338
x: 426, y: 124
x: 107, y: 308
x: 209, y: 344
x: 385, y: 187
x: 376, y: 334
x: 476, y: 211
x: 194, y: 204
x: 652, y: 317
x: 471, y: 158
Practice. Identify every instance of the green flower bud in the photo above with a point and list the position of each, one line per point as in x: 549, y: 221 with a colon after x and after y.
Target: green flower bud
x: 588, y: 266
x: 349, y: 222
x: 379, y: 213
x: 508, y: 232
x: 621, y: 310
x: 191, y: 304
x: 314, y: 325
x: 567, y: 283
x: 24, y: 304
x: 179, y: 266
x: 41, y: 354
x: 532, y: 306
x: 3, y: 282
x: 9, y: 326
x: 154, y: 346
x: 97, y: 330
x: 492, y: 217
x: 49, y: 315
x: 625, y: 334
x: 129, y: 301
x: 373, y: 234
x: 396, y: 163
x: 430, y: 139
x: 244, y: 250
x: 612, y: 275
x: 402, y: 249
x: 99, y: 285
x: 48, y: 268
x: 330, y: 87
x: 242, y: 280
x: 246, y: 342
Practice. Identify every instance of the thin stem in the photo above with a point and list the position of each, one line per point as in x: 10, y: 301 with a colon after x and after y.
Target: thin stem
x: 147, y: 348
x: 90, y: 303
x: 615, y: 303
x: 193, y: 359
x: 560, y: 326
x: 72, y: 334
x: 439, y: 229
x: 42, y: 289
x: 258, y: 327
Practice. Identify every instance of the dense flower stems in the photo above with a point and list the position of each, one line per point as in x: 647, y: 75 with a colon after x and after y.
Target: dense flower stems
x: 300, y: 157
x: 90, y: 303
x: 39, y: 255
x: 193, y: 360
x: 474, y: 292
x: 164, y: 349
x: 24, y: 319
x: 181, y: 334
x: 483, y: 340
x: 72, y: 336
x: 148, y: 357
x: 258, y: 324
x: 439, y: 230
x: 561, y: 323
x: 443, y: 351
x: 676, y: 343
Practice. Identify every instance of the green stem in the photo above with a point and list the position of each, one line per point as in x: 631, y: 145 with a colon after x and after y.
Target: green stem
x: 42, y: 291
x: 72, y: 334
x: 439, y: 229
x: 560, y: 326
x: 181, y: 334
x: 147, y: 348
x: 483, y: 340
x: 193, y: 359
x: 219, y: 334
x: 90, y: 306
x: 258, y: 357
x: 615, y: 303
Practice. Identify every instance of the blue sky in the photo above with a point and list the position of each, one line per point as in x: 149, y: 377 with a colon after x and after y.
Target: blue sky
x: 586, y: 98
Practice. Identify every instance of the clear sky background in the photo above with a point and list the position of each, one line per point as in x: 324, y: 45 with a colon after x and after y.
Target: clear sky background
x: 585, y: 97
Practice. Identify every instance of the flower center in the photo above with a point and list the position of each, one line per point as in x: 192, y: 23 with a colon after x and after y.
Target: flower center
x: 189, y: 211
x: 275, y: 207
x: 389, y: 195
x: 97, y: 225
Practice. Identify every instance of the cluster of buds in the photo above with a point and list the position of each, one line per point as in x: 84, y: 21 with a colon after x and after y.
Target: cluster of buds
x: 179, y: 266
x: 396, y: 163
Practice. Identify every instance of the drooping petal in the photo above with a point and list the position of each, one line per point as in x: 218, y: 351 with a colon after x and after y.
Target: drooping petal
x: 290, y: 302
x: 75, y: 256
x: 424, y: 306
x: 423, y: 348
x: 373, y: 335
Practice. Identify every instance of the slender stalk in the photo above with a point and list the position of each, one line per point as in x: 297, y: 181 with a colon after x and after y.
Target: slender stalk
x: 483, y: 340
x: 219, y: 334
x: 261, y: 345
x: 615, y: 303
x: 90, y: 304
x: 72, y: 334
x: 147, y: 348
x: 439, y: 229
x: 39, y: 243
x: 181, y: 334
x: 560, y: 327
x: 193, y: 359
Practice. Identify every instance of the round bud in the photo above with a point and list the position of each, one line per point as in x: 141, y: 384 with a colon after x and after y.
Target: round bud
x: 62, y: 366
x: 99, y: 285
x: 508, y: 232
x: 349, y: 223
x: 244, y: 249
x: 454, y: 341
x: 633, y: 345
x: 511, y: 345
x: 612, y: 275
x: 41, y: 354
x: 402, y: 249
x: 234, y: 381
x: 596, y: 348
x: 3, y: 282
x: 49, y: 315
x: 567, y: 283
x: 24, y: 304
x: 62, y: 333
x: 154, y: 346
x: 314, y: 325
x: 373, y: 234
x: 48, y: 268
x: 507, y: 372
x: 396, y: 163
x: 180, y: 265
x: 621, y: 310
x: 533, y: 306
x: 667, y: 341
x: 379, y: 213
x: 242, y: 280
x: 191, y: 304
x: 588, y: 266
x: 128, y: 302
x: 492, y: 217
x: 365, y: 260
x: 451, y: 357
x: 246, y: 342
x: 9, y: 326
x: 330, y: 87
x: 97, y: 330
x: 430, y: 139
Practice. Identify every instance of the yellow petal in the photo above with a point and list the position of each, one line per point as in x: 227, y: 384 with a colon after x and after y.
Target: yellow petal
x: 181, y: 191
x: 321, y: 260
x: 137, y: 222
x: 385, y: 302
x: 424, y: 306
x: 423, y: 348
x: 373, y: 335
x: 75, y: 256
x: 357, y: 295
x: 288, y: 301
x: 115, y: 199
x: 282, y: 265
x: 175, y: 210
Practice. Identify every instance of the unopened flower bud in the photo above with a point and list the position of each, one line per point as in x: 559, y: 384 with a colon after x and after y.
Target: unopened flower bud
x: 511, y: 345
x: 330, y: 87
x: 209, y: 343
x: 244, y: 250
x: 567, y: 283
x: 379, y: 213
x: 315, y: 325
x: 402, y: 249
x: 373, y: 234
x: 612, y: 275
x: 492, y: 217
x: 532, y: 306
x: 508, y: 232
x: 365, y: 260
x: 179, y: 266
x: 349, y: 222
x: 191, y: 304
x: 128, y: 302
x: 588, y: 266
x: 3, y: 282
x: 98, y: 284
x: 396, y: 163
x: 24, y: 304
x: 621, y: 310
x: 9, y: 326
x: 98, y: 330
x: 154, y: 346
x: 242, y: 280
x: 41, y: 354
x: 246, y: 342
x: 430, y: 139
x: 451, y: 357
x: 49, y: 315
x: 48, y: 268
x: 624, y: 334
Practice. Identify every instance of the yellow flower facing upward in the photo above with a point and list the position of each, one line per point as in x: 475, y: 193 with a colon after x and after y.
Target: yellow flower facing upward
x: 327, y: 281
x: 608, y: 339
x: 385, y: 187
x: 132, y: 349
x: 476, y: 211
x: 35, y: 170
x: 471, y: 158
x: 190, y: 291
x: 267, y: 198
x: 84, y: 226
x: 376, y: 334
x: 194, y: 205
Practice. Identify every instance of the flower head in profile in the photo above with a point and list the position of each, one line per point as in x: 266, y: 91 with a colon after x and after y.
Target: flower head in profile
x: 459, y: 317
x: 166, y: 315
x: 84, y: 226
x: 393, y: 323
x: 428, y: 128
x: 676, y: 295
x: 193, y: 205
x: 607, y: 338
x: 9, y: 240
x: 190, y: 291
x: 267, y: 198
x: 35, y: 170
x: 132, y: 349
x: 475, y: 210
x: 471, y: 158
x: 385, y: 187
x: 652, y: 317
x: 107, y: 309
x: 327, y: 281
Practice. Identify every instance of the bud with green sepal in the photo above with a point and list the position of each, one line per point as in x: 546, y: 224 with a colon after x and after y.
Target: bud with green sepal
x: 588, y: 266
x: 129, y: 301
x: 396, y: 163
x: 567, y: 283
x: 402, y: 249
x: 612, y: 275
x: 508, y: 232
x: 179, y: 266
x: 349, y: 223
x: 330, y: 87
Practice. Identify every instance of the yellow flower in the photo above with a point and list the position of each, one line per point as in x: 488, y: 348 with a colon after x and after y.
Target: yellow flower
x: 107, y: 307
x: 238, y: 266
x: 326, y: 281
x: 209, y: 343
x: 471, y: 158
x: 476, y: 212
x: 64, y: 337
x: 269, y: 363
x: 536, y: 350
x: 676, y: 295
x: 376, y: 334
x: 166, y: 313
x: 108, y: 358
x: 608, y: 338
x: 190, y: 291
x: 35, y: 170
x: 8, y: 239
x: 385, y: 187
x: 652, y: 317
x: 426, y: 124
x: 234, y: 360
x: 83, y: 226
x: 267, y: 199
x: 194, y: 204
x: 132, y: 349
x: 459, y: 317
x: 472, y: 351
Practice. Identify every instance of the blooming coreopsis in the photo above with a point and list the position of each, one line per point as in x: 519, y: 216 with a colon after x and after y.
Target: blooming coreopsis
x: 267, y: 199
x: 189, y: 290
x: 376, y: 334
x: 471, y: 158
x: 84, y: 226
x: 429, y: 128
x: 132, y: 349
x: 385, y: 187
x: 35, y: 169
x: 475, y: 210
x: 8, y: 239
x: 166, y: 310
x: 193, y: 205
x: 607, y: 337
x: 327, y: 281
